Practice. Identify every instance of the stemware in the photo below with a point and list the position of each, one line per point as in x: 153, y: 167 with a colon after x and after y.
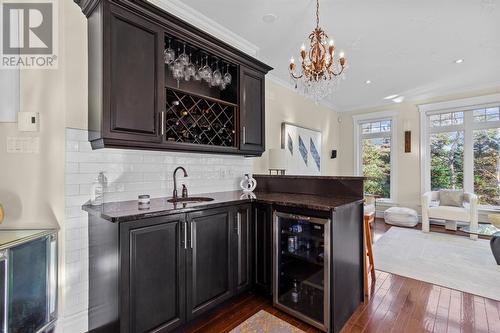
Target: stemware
x: 190, y: 70
x: 197, y: 75
x: 169, y: 54
x: 217, y: 75
x: 184, y: 58
x: 227, y: 77
x: 206, y: 71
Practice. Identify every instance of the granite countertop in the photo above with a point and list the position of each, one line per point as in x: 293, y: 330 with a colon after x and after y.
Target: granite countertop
x: 129, y: 210
x: 309, y: 177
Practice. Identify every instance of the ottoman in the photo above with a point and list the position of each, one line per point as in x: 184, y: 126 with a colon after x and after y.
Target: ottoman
x: 401, y: 216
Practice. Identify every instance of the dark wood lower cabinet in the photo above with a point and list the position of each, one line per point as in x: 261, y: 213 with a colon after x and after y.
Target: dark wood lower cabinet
x: 242, y: 249
x: 262, y: 242
x: 157, y: 274
x: 209, y: 267
x: 153, y: 274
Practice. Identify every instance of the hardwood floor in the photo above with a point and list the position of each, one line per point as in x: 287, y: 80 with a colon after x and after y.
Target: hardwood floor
x: 396, y: 304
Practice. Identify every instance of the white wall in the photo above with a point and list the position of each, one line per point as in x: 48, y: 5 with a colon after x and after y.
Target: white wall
x: 284, y: 105
x: 408, y: 164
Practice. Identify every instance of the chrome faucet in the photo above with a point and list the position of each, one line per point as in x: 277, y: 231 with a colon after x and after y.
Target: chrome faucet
x: 184, y: 188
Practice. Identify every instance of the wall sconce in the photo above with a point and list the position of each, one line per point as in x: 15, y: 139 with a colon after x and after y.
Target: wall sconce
x: 406, y: 126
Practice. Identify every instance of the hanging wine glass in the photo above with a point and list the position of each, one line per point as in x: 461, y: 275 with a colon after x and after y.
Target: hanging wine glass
x: 190, y: 70
x: 184, y: 58
x: 227, y: 76
x: 169, y: 54
x: 206, y: 71
x: 197, y: 75
x: 217, y: 75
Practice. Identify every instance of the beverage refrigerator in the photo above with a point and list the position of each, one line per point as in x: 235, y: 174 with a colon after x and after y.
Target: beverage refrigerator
x: 301, y: 267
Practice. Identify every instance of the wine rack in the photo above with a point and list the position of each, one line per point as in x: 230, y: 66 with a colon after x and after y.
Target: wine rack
x: 200, y: 120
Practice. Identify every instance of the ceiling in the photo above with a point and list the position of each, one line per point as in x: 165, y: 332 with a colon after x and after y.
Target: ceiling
x: 403, y: 47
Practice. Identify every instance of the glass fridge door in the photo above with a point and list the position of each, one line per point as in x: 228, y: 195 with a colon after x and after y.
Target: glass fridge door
x: 301, y: 277
x: 28, y: 298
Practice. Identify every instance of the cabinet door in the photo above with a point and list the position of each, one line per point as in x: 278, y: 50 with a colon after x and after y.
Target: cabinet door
x: 153, y: 277
x: 134, y: 84
x: 252, y: 114
x: 209, y: 269
x: 262, y: 225
x: 242, y: 248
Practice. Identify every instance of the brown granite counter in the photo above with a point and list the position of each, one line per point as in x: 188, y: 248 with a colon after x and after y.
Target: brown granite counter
x: 129, y: 210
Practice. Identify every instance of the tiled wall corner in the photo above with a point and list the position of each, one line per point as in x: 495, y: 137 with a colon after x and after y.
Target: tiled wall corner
x: 129, y: 173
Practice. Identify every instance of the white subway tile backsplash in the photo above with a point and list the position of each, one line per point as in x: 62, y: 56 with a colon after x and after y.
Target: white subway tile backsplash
x: 129, y: 173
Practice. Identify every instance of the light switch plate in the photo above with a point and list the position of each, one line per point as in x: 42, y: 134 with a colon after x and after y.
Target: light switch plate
x: 24, y: 144
x: 28, y: 121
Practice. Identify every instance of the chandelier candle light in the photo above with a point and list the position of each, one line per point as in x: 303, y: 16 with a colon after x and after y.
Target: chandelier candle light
x: 320, y: 68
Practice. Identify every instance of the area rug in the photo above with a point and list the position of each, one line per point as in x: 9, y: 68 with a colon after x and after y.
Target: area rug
x: 450, y: 261
x: 264, y: 322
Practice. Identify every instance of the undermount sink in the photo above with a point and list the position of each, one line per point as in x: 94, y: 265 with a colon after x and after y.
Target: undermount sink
x: 190, y: 200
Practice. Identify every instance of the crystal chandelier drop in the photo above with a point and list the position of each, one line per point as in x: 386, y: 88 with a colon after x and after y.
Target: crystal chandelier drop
x: 320, y: 68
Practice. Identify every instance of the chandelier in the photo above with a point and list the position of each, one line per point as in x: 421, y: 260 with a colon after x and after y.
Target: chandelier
x: 320, y: 68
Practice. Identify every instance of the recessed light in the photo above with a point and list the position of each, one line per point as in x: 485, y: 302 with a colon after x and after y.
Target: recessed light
x: 269, y: 18
x: 368, y: 81
x: 459, y: 61
x: 391, y: 96
x: 398, y: 99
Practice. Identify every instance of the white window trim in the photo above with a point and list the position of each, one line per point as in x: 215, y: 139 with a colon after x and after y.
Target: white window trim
x: 465, y: 104
x: 374, y: 116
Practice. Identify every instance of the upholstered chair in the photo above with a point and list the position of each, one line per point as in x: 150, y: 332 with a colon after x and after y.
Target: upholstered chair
x: 465, y: 213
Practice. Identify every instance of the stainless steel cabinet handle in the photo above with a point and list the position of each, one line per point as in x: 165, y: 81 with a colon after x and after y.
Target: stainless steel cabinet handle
x: 163, y: 123
x: 238, y: 223
x: 185, y: 235
x: 244, y: 135
x: 192, y: 234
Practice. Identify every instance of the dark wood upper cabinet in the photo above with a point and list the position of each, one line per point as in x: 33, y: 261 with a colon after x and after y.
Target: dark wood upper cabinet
x: 134, y: 77
x: 252, y: 114
x: 134, y: 102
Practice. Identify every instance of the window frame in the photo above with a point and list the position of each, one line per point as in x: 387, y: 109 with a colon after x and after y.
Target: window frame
x: 467, y: 105
x: 358, y: 121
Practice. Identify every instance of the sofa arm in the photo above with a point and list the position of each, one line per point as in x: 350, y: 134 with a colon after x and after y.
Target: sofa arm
x: 426, y: 200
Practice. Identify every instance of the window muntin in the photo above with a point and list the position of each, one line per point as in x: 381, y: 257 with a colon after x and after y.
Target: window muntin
x: 487, y: 114
x: 383, y: 126
x: 446, y: 119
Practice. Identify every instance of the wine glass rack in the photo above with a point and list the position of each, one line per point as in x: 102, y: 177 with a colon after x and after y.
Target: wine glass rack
x: 199, y: 120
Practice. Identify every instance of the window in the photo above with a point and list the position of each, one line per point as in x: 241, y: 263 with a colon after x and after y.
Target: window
x: 447, y: 160
x: 462, y: 150
x: 374, y: 144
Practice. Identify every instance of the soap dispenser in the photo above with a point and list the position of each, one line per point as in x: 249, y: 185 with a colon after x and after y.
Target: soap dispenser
x: 98, y: 187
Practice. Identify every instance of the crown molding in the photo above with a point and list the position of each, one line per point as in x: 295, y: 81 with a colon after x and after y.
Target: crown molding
x: 197, y: 19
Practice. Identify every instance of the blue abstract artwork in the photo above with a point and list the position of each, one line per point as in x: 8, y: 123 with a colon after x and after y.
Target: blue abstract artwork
x: 314, y: 153
x: 290, y: 144
x: 303, y: 150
